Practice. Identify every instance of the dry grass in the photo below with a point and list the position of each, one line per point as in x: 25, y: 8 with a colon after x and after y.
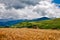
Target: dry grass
x: 28, y: 34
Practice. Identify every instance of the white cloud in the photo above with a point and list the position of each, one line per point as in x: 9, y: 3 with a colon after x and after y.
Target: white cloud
x: 48, y: 9
x: 44, y: 8
x: 7, y: 13
x: 19, y: 3
x: 26, y: 13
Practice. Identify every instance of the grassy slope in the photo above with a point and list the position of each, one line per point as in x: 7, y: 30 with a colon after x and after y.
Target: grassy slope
x: 47, y: 24
x: 28, y: 34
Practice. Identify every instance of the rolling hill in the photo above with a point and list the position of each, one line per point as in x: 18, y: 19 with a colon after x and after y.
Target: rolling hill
x: 45, y: 24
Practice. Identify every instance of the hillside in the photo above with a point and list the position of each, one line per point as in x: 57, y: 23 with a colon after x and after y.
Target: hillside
x: 47, y: 24
x: 28, y: 34
x: 8, y: 22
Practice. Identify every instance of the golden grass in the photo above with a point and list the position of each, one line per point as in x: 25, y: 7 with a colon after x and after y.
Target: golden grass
x: 28, y: 34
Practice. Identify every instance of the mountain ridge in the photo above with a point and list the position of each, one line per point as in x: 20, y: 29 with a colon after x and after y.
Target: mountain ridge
x: 7, y: 22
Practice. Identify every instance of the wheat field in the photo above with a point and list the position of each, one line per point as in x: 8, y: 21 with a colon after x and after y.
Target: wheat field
x: 28, y: 34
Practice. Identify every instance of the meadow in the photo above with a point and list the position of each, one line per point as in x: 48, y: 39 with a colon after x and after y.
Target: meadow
x: 45, y: 24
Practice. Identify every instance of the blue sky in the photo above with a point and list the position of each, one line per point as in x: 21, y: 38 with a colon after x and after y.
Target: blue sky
x: 57, y: 1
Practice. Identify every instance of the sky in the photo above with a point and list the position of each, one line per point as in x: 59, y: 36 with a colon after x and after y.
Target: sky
x: 29, y: 9
x: 57, y: 1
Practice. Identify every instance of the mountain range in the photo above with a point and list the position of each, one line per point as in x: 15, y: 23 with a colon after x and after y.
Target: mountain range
x: 8, y: 22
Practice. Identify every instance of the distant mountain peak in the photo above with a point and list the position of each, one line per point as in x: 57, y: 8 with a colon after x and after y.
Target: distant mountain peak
x: 44, y: 18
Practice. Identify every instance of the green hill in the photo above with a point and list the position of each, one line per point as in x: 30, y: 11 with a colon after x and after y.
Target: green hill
x: 47, y: 24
